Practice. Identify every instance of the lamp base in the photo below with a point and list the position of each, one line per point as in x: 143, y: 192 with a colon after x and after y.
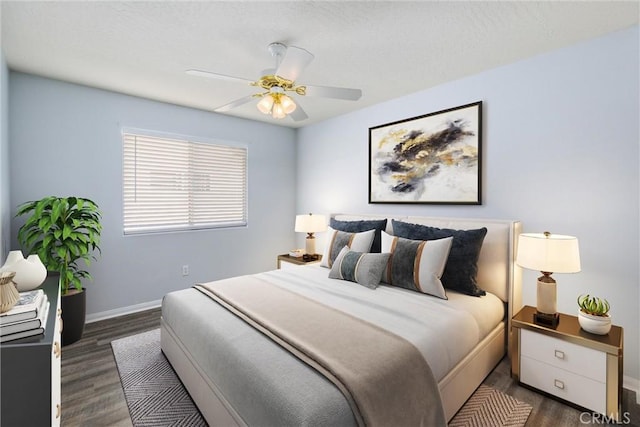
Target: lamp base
x: 546, y: 319
x: 310, y: 244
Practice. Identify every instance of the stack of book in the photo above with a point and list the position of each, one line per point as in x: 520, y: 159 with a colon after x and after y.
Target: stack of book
x: 27, y: 318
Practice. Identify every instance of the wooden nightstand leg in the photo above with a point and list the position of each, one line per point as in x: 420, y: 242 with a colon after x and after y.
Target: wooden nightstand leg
x: 515, y: 354
x: 614, y: 382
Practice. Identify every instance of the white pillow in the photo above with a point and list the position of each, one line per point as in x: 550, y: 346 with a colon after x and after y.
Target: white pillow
x: 416, y: 264
x: 336, y: 240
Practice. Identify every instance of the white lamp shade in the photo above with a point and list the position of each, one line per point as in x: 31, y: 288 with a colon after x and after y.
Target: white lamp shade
x: 265, y: 104
x: 288, y: 104
x: 310, y: 223
x: 278, y: 111
x: 551, y: 253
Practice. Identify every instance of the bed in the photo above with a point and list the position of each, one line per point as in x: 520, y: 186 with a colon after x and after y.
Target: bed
x: 237, y: 375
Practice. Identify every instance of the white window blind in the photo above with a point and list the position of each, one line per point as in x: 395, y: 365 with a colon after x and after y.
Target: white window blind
x: 173, y: 184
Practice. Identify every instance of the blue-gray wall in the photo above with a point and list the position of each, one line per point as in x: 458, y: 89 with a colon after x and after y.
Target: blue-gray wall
x: 5, y: 211
x: 66, y: 140
x: 560, y: 153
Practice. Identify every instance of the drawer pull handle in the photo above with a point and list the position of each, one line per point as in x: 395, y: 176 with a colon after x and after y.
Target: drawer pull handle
x: 61, y: 323
x: 559, y: 384
x: 56, y: 349
x: 560, y: 354
x: 58, y: 411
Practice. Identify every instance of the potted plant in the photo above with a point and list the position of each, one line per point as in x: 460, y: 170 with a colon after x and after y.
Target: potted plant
x: 593, y: 315
x: 64, y: 231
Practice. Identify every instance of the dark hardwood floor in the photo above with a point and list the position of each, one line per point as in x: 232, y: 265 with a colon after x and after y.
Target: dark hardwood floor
x: 92, y: 395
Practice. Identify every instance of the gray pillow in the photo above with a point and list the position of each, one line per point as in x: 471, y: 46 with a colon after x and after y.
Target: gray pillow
x: 462, y: 265
x: 378, y: 225
x: 360, y: 242
x: 416, y: 264
x: 359, y: 267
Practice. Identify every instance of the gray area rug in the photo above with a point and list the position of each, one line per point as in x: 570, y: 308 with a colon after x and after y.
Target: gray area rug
x: 490, y: 407
x: 156, y: 397
x: 154, y: 394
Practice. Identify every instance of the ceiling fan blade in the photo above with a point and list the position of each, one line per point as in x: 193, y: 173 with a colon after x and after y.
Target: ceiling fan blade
x: 210, y: 75
x: 298, y: 114
x: 234, y: 104
x: 334, y: 92
x: 295, y: 60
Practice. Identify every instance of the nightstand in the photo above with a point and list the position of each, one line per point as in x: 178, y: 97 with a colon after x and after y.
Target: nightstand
x: 287, y: 261
x: 568, y: 362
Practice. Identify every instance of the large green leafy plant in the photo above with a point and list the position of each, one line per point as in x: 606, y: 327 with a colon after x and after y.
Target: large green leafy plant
x: 63, y: 231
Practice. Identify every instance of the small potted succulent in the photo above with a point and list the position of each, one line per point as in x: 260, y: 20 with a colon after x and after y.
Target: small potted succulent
x: 593, y: 315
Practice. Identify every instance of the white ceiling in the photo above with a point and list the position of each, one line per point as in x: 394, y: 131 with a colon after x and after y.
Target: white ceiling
x: 385, y: 48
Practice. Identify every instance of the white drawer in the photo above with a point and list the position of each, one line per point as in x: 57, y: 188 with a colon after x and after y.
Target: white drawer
x: 583, y: 361
x: 284, y: 265
x: 566, y: 385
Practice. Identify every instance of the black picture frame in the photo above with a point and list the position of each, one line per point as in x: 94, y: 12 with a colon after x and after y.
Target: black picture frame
x: 435, y: 158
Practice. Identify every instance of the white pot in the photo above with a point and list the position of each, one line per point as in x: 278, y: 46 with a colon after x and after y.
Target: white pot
x: 30, y: 272
x: 599, y: 325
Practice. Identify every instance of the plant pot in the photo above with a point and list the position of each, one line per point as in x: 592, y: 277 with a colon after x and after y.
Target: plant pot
x: 599, y: 325
x: 74, y: 309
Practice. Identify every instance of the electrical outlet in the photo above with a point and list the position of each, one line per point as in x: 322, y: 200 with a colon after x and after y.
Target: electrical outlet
x: 185, y: 270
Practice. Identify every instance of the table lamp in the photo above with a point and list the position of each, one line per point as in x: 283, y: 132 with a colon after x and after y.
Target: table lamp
x: 310, y: 224
x: 548, y: 253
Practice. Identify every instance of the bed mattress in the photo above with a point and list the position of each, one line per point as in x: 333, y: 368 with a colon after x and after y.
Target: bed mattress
x: 278, y: 389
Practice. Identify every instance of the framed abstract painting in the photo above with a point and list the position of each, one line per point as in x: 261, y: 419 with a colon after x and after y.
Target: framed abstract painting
x: 435, y: 158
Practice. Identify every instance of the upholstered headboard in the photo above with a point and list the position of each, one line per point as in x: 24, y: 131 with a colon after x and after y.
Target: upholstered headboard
x: 497, y: 271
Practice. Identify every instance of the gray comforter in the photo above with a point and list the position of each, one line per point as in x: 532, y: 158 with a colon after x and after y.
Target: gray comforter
x: 384, y: 377
x: 262, y: 381
x: 282, y: 391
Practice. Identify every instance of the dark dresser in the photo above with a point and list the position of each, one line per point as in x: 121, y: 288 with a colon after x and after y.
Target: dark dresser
x: 30, y: 369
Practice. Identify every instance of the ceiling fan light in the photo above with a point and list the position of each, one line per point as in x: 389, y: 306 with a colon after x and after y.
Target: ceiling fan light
x: 265, y: 104
x: 287, y: 104
x: 278, y: 111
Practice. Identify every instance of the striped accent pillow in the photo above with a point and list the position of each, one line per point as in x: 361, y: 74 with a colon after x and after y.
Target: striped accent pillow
x: 336, y: 240
x: 362, y: 268
x: 416, y: 264
x: 461, y: 270
x: 364, y: 225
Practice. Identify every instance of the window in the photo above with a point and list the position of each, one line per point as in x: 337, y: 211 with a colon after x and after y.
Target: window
x: 172, y: 184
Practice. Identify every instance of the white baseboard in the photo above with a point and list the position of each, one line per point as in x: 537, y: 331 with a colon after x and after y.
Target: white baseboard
x: 632, y: 384
x: 122, y: 311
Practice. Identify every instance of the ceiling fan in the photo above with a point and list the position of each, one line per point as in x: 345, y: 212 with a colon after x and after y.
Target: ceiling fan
x: 276, y: 82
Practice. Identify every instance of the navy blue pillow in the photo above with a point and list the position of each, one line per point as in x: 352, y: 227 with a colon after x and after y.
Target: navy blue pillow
x: 359, y: 226
x: 462, y: 265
